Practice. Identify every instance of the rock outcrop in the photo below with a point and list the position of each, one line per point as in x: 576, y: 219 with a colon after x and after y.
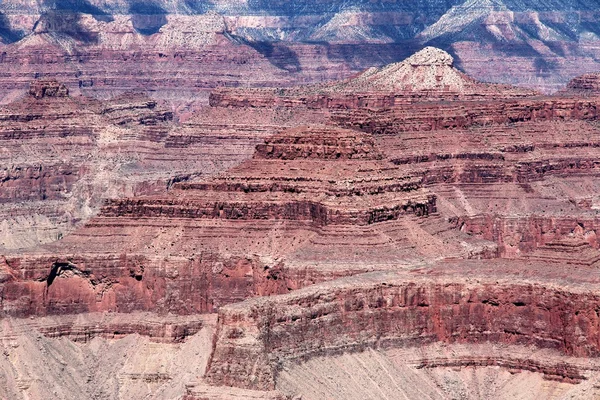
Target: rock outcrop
x: 588, y: 83
x: 63, y: 155
x: 47, y: 88
x: 402, y: 310
x: 335, y: 187
x: 427, y: 76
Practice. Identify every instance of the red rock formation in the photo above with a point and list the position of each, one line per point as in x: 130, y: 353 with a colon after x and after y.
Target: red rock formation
x: 588, y: 82
x: 58, y: 285
x: 401, y: 309
x: 65, y: 155
x: 427, y: 76
x: 47, y: 88
x: 430, y: 193
x: 351, y: 189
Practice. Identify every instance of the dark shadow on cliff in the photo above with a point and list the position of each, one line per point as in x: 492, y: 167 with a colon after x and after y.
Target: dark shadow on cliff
x: 197, y: 7
x: 147, y: 17
x: 277, y: 53
x: 545, y: 66
x: 80, y: 7
x: 361, y: 56
x: 63, y: 18
x: 564, y: 49
x: 432, y: 9
x: 7, y: 34
x: 65, y: 23
x: 565, y: 29
x: 587, y: 26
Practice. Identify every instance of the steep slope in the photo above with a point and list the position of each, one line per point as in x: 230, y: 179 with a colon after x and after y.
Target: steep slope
x: 547, y: 40
x: 135, y: 365
x: 308, y: 200
x: 64, y: 155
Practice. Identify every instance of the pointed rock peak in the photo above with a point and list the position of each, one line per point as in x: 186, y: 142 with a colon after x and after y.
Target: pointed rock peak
x: 430, y: 69
x: 430, y: 56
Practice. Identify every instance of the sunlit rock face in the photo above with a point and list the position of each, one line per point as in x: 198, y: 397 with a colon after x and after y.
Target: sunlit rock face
x: 284, y: 200
x: 99, y: 47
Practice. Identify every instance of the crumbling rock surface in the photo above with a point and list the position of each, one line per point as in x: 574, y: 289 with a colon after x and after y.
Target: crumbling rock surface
x: 47, y: 88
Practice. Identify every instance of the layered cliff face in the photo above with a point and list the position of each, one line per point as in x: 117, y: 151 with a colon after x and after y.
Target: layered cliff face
x: 408, y: 227
x: 64, y: 154
x: 517, y: 171
x: 269, y: 225
x: 107, y: 47
x: 427, y: 76
x: 391, y: 310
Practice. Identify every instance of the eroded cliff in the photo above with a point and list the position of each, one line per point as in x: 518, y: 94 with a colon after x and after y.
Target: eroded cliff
x: 409, y: 220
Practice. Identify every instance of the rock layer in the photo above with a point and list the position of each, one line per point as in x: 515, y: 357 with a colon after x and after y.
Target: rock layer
x: 379, y: 215
x: 399, y: 310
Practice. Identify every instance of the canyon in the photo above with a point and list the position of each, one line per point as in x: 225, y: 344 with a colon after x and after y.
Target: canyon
x: 180, y: 50
x: 408, y: 231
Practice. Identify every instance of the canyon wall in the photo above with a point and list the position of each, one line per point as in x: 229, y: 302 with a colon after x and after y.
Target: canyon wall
x: 108, y: 47
x: 396, y: 310
x: 452, y: 213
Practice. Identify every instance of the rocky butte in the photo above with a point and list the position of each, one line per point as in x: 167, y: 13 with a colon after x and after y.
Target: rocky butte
x: 409, y: 232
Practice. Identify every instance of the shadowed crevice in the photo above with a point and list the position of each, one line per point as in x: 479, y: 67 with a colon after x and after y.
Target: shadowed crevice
x: 64, y: 18
x: 80, y: 7
x: 7, y: 34
x: 68, y: 24
x: 147, y: 18
x: 197, y: 6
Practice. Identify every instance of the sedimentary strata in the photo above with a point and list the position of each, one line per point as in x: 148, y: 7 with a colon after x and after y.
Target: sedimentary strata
x: 394, y: 222
x: 386, y: 310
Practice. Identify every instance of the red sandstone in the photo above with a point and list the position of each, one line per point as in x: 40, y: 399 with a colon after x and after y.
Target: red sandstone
x: 442, y: 217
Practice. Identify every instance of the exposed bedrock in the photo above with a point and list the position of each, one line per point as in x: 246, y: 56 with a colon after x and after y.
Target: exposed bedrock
x: 47, y: 88
x: 295, y: 210
x: 387, y: 310
x: 36, y: 182
x: 386, y: 114
x: 523, y: 234
x: 114, y: 45
x: 584, y: 84
x: 427, y: 76
x: 63, y: 155
x: 199, y: 284
x: 133, y: 355
x: 463, y: 115
x: 333, y: 176
x: 83, y: 328
x: 313, y: 204
x: 420, y: 94
x: 127, y: 283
